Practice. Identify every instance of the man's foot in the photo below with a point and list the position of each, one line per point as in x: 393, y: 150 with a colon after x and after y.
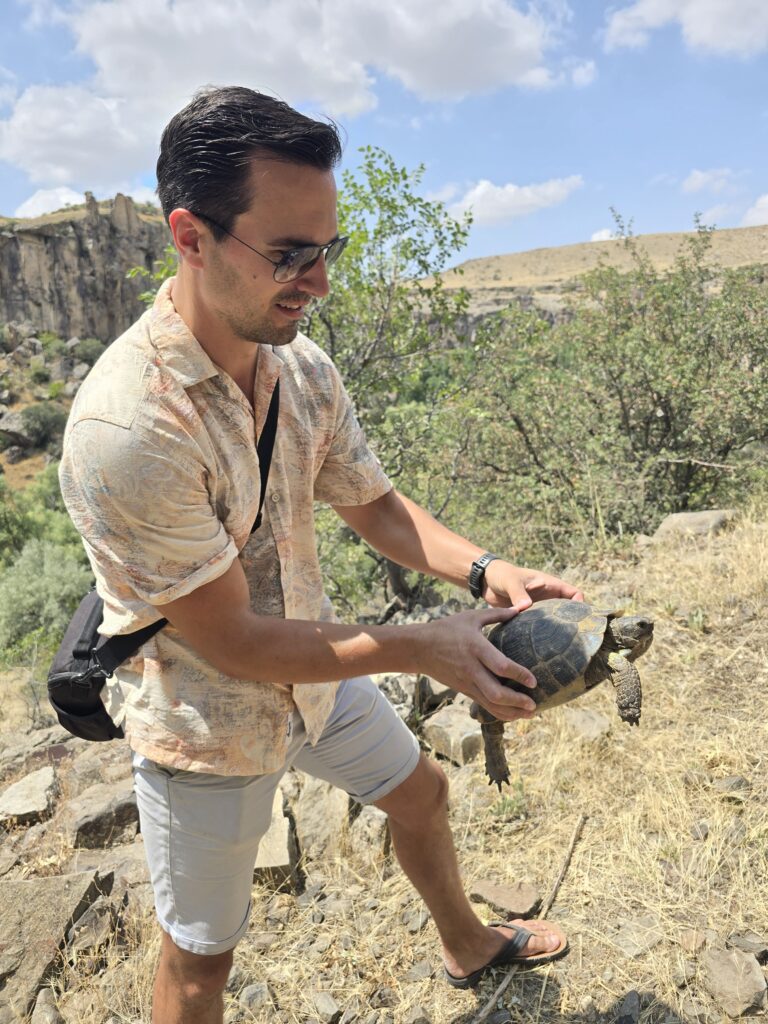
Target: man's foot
x: 527, y: 943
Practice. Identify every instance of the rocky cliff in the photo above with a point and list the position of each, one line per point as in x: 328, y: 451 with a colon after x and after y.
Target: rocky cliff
x: 66, y: 272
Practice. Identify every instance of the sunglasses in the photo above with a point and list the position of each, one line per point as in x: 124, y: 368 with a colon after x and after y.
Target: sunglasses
x: 294, y: 262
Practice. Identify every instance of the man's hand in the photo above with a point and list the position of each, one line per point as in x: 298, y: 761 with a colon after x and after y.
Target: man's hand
x: 510, y: 586
x: 455, y: 651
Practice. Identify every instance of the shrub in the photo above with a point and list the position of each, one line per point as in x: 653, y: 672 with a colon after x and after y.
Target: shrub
x: 40, y: 590
x: 43, y: 423
x: 89, y: 350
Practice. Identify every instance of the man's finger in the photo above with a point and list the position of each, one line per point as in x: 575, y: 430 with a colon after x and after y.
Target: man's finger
x: 494, y: 693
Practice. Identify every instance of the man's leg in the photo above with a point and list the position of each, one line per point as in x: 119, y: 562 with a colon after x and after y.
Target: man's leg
x: 421, y: 836
x: 189, y: 987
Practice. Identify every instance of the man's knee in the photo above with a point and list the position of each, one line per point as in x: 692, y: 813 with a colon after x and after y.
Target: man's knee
x: 422, y: 796
x: 196, y: 976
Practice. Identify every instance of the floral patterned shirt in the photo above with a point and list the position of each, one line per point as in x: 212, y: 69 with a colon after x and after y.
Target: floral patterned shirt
x: 161, y: 478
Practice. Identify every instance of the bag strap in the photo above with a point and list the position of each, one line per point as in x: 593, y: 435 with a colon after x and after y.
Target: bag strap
x: 114, y: 650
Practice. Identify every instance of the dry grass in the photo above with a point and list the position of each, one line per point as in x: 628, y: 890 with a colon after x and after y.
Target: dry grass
x: 643, y: 792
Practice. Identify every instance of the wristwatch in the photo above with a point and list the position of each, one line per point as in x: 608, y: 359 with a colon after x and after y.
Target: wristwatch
x: 477, y: 573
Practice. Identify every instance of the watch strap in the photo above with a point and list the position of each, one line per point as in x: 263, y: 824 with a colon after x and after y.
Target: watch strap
x: 477, y: 573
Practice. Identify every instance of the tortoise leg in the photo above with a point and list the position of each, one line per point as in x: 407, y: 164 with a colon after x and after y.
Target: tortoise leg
x: 493, y: 743
x: 629, y: 694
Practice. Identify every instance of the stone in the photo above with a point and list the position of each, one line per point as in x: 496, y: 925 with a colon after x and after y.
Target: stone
x: 94, y: 929
x: 629, y: 1011
x: 80, y: 371
x: 453, y: 734
x: 103, y: 814
x: 35, y: 916
x: 735, y: 787
x: 588, y: 725
x: 278, y: 856
x: 322, y: 812
x: 369, y: 833
x: 13, y: 430
x: 696, y: 1012
x: 46, y: 1011
x: 327, y: 1009
x: 700, y: 830
x: 734, y: 980
x: 430, y: 694
x: 30, y: 799
x: 416, y: 1015
x: 519, y: 900
x: 416, y: 920
x: 421, y: 971
x: 694, y: 524
x: 684, y: 975
x: 256, y: 996
x: 750, y: 942
x: 692, y: 940
x: 636, y: 936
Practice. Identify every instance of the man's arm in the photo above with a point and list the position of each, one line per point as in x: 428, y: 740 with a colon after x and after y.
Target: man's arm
x: 405, y: 533
x: 217, y: 621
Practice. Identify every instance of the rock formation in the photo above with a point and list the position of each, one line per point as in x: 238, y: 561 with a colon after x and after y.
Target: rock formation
x: 66, y: 272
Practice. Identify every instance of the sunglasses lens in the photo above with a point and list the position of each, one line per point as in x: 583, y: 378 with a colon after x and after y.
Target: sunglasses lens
x: 297, y: 261
x: 334, y: 250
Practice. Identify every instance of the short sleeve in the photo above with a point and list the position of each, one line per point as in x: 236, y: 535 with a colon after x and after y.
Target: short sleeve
x: 350, y: 473
x: 144, y: 513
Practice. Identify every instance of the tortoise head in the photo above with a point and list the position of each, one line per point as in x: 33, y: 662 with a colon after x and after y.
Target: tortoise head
x: 633, y: 634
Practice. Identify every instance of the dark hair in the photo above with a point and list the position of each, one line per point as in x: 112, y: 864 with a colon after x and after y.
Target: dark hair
x: 206, y: 150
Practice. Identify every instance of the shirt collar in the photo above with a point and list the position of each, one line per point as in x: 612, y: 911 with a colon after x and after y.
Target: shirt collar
x: 181, y: 352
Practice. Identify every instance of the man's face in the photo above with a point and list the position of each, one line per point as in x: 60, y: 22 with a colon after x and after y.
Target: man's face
x: 293, y: 205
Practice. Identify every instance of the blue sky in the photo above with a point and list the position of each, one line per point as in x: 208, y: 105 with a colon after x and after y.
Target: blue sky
x: 539, y: 116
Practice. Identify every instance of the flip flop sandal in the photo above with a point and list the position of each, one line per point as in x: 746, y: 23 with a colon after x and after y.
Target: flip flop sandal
x: 510, y: 954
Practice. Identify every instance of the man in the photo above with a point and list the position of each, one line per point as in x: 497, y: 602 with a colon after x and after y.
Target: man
x: 161, y: 477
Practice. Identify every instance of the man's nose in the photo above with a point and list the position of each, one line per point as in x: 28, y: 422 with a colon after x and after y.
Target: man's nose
x: 315, y: 279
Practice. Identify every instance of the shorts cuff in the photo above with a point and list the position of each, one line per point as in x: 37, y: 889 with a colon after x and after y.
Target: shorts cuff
x: 386, y: 787
x: 205, y: 948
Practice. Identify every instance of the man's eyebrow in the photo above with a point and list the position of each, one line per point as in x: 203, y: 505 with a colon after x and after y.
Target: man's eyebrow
x: 294, y: 243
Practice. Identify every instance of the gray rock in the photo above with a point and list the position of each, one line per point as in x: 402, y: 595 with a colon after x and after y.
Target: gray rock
x: 35, y: 915
x: 696, y: 1011
x: 750, y: 942
x: 735, y: 787
x: 256, y: 996
x: 80, y: 371
x: 452, y: 733
x: 588, y: 725
x: 103, y: 814
x: 421, y: 971
x: 322, y: 812
x: 416, y: 1015
x: 429, y: 694
x: 416, y: 920
x: 635, y: 937
x: 693, y: 940
x: 278, y: 856
x: 30, y: 799
x: 326, y: 1007
x: 384, y: 997
x: 14, y: 431
x: 629, y: 1011
x: 369, y: 833
x: 694, y: 524
x: 700, y: 830
x: 46, y: 1011
x: 94, y: 929
x: 519, y: 900
x: 684, y: 975
x: 735, y: 981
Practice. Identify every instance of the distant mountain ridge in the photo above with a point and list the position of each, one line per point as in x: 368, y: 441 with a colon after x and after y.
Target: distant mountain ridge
x: 545, y: 276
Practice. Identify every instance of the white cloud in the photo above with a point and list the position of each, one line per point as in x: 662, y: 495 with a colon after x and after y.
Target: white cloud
x: 444, y: 194
x: 584, y: 74
x: 493, y: 204
x: 662, y: 179
x: 757, y: 213
x: 150, y: 56
x: 715, y: 180
x: 716, y: 214
x: 726, y: 27
x: 45, y: 200
x: 603, y: 235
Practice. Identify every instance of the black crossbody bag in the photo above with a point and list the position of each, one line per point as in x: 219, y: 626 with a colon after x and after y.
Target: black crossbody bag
x: 86, y: 659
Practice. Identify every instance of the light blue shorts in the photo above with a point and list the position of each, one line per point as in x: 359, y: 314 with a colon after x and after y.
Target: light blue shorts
x: 201, y: 832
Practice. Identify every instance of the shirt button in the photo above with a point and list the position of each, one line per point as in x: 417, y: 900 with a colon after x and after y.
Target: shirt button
x: 275, y: 496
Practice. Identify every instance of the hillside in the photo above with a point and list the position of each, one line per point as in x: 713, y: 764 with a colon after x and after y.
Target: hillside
x: 664, y: 891
x: 546, y: 276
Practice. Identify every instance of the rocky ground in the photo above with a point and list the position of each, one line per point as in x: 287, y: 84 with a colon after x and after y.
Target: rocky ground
x: 664, y: 898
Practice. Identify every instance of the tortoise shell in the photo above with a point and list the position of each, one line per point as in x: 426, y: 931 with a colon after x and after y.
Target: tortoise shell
x: 556, y: 640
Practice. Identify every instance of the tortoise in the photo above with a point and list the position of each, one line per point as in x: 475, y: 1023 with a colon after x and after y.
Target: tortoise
x: 570, y: 647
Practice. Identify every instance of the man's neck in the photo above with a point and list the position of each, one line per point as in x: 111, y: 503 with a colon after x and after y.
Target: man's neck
x: 224, y: 348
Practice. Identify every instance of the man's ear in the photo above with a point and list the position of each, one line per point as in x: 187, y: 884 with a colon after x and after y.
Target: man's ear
x: 188, y: 231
